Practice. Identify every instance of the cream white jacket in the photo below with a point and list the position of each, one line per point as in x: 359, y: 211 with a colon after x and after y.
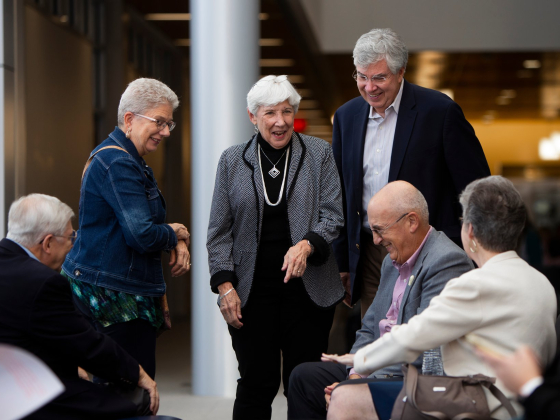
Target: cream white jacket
x: 505, y: 302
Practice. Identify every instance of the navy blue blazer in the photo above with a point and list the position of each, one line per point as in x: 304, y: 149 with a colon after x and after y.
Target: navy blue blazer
x: 434, y: 148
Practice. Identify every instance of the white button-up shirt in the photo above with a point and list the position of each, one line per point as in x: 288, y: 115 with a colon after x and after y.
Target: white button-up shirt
x: 377, y: 152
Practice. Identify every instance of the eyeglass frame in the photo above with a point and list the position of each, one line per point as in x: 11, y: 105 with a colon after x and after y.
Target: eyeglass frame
x: 72, y: 237
x: 169, y: 124
x: 382, y: 231
x: 380, y: 79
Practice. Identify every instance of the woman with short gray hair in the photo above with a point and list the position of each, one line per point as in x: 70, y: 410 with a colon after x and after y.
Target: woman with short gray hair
x: 276, y: 209
x: 115, y: 266
x: 503, y: 304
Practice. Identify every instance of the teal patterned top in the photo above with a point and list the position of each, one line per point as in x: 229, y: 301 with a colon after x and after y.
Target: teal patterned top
x: 111, y: 307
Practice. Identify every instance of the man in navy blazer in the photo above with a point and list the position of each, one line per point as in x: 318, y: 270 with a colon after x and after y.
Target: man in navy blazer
x: 396, y: 131
x: 37, y: 314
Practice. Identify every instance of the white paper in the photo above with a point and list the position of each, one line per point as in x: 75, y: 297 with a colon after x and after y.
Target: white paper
x: 26, y: 383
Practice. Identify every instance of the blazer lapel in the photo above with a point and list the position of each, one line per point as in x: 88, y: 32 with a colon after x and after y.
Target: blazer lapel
x: 296, y: 157
x: 251, y: 158
x: 405, y: 123
x: 359, y: 136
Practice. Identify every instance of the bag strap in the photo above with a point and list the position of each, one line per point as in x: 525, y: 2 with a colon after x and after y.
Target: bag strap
x: 411, y: 383
x: 88, y: 162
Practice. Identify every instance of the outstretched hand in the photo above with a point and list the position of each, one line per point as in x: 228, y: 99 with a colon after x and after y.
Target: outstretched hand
x: 345, y: 359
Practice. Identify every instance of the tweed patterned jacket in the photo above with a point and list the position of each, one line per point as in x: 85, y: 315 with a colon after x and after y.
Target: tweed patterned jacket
x: 314, y: 202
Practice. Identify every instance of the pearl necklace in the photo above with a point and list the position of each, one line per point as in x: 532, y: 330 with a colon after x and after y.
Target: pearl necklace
x: 283, y: 178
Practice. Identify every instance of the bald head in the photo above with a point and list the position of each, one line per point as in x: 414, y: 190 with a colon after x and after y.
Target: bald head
x: 399, y: 219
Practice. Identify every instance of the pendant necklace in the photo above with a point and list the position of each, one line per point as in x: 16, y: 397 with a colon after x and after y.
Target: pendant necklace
x: 273, y: 176
x: 273, y: 172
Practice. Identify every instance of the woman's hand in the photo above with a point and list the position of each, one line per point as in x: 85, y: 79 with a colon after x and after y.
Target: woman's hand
x: 147, y: 383
x: 295, y: 260
x: 180, y: 259
x: 230, y: 306
x: 345, y: 359
x: 182, y: 232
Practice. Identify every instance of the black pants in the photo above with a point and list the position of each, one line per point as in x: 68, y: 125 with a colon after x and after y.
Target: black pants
x: 276, y: 320
x: 306, y: 398
x: 138, y: 338
x: 87, y: 401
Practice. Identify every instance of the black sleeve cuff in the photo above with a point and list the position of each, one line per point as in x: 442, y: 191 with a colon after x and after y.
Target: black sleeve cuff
x: 222, y: 277
x: 322, y: 249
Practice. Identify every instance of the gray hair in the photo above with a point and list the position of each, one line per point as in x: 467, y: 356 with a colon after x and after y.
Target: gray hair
x: 271, y: 90
x: 496, y: 212
x: 144, y: 94
x: 381, y: 44
x: 35, y: 216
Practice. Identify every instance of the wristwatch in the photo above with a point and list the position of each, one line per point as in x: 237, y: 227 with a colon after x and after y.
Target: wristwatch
x: 220, y: 297
x: 312, y: 247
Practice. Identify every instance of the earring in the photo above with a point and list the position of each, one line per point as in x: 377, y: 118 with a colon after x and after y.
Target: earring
x: 128, y: 133
x: 473, y: 245
x: 256, y: 129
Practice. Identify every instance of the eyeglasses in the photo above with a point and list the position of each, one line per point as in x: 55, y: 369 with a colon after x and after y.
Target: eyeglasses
x: 160, y: 124
x: 72, y: 237
x: 381, y: 231
x: 377, y: 79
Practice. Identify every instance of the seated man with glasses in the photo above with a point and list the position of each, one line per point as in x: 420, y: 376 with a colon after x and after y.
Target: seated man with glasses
x: 37, y: 314
x: 419, y: 263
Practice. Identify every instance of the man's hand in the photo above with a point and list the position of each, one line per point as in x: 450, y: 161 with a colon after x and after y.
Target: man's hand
x: 83, y: 374
x: 230, y: 306
x: 328, y: 392
x: 514, y: 370
x: 345, y: 359
x: 345, y: 278
x: 147, y: 383
x: 180, y: 259
x: 295, y: 260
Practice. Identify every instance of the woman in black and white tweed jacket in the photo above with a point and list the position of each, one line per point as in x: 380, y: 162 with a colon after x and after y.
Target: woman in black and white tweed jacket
x: 276, y: 209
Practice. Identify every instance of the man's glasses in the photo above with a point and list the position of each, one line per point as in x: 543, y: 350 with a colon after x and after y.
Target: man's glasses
x: 72, y: 237
x: 160, y: 124
x: 378, y: 79
x: 381, y: 231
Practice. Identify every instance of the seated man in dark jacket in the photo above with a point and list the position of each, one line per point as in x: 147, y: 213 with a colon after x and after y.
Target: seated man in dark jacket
x: 37, y: 314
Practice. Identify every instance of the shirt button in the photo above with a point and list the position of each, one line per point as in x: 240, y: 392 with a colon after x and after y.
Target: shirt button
x: 77, y: 273
x: 358, y: 246
x: 378, y: 150
x: 358, y: 213
x: 376, y: 173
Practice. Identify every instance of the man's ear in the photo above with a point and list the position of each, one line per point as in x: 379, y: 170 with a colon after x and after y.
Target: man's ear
x: 414, y: 221
x: 47, y: 243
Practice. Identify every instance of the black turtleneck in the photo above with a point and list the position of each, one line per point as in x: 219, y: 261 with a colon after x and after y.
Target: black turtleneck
x: 275, y: 232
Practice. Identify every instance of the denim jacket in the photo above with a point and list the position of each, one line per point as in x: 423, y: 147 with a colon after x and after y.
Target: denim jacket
x: 122, y: 230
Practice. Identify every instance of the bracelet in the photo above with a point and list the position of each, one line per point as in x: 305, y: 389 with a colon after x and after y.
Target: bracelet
x: 312, y: 248
x: 220, y: 297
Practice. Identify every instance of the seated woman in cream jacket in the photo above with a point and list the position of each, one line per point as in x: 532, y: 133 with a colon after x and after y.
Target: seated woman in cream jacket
x: 505, y: 302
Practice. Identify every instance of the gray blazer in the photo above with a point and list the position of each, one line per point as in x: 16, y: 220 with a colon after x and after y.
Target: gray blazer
x: 314, y: 202
x: 439, y: 261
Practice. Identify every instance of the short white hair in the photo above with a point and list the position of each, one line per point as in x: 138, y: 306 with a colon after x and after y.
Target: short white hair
x: 35, y: 216
x: 144, y: 94
x: 270, y: 91
x: 381, y: 44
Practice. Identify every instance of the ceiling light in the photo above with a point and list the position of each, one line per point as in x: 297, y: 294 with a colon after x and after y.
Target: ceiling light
x: 168, y: 16
x: 502, y: 100
x: 549, y: 148
x: 508, y: 93
x: 276, y: 62
x: 271, y: 42
x: 532, y: 64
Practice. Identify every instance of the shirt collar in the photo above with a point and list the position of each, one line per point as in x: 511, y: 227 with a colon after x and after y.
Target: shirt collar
x: 395, y: 105
x: 405, y: 269
x: 25, y: 249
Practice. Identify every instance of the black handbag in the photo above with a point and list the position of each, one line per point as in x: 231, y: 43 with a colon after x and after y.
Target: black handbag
x: 425, y: 397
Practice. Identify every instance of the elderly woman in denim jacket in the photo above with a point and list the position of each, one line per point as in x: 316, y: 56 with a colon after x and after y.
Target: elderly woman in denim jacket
x: 276, y: 209
x: 114, y: 267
